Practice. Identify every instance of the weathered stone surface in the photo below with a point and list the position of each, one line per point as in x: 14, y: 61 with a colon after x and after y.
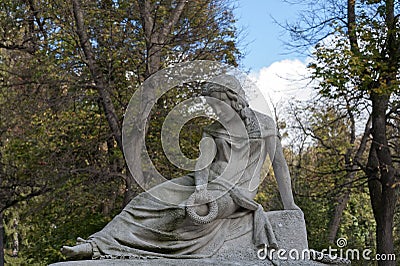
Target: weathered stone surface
x: 288, y: 226
x: 181, y: 262
x: 290, y: 231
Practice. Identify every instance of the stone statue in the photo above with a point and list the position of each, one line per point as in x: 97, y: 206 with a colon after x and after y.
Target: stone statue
x: 215, y: 201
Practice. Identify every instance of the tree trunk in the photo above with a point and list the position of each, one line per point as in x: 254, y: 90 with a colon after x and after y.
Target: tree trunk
x: 380, y: 174
x: 2, y: 208
x: 352, y: 164
x: 15, y: 250
x: 105, y: 96
x: 1, y: 240
x: 96, y: 73
x: 351, y: 25
x: 156, y: 36
x: 334, y: 225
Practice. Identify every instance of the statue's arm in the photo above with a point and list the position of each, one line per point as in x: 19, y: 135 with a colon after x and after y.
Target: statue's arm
x: 201, y: 179
x: 207, y: 154
x: 281, y: 171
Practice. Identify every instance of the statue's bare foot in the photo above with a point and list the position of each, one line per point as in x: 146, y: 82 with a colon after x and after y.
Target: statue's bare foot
x: 80, y: 240
x: 81, y: 251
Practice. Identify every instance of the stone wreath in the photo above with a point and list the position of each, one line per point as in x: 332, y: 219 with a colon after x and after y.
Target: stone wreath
x: 200, y: 197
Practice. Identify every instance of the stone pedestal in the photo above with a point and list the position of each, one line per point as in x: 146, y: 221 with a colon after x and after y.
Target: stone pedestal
x: 290, y: 232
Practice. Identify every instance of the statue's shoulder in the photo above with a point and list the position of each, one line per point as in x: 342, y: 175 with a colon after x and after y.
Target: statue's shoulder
x: 259, y: 126
x: 266, y: 124
x: 264, y: 119
x: 214, y: 128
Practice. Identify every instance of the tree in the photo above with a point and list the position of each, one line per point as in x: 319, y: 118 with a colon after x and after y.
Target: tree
x: 163, y: 26
x: 325, y: 156
x: 68, y: 70
x: 360, y: 62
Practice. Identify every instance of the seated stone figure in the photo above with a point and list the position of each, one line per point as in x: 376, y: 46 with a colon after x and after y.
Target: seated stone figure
x: 195, y: 222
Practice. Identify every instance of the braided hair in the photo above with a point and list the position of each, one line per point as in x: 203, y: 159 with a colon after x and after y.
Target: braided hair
x: 238, y: 103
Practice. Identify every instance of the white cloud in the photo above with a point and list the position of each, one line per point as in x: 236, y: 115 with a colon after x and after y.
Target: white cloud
x: 283, y: 81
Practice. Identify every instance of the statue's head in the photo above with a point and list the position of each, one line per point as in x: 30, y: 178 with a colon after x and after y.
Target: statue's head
x: 230, y: 101
x: 228, y: 90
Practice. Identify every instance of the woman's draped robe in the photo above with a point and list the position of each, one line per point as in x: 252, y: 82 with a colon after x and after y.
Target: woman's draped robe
x: 155, y: 224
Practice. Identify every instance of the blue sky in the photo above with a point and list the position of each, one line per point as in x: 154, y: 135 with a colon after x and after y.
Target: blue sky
x: 264, y: 37
x: 281, y: 76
